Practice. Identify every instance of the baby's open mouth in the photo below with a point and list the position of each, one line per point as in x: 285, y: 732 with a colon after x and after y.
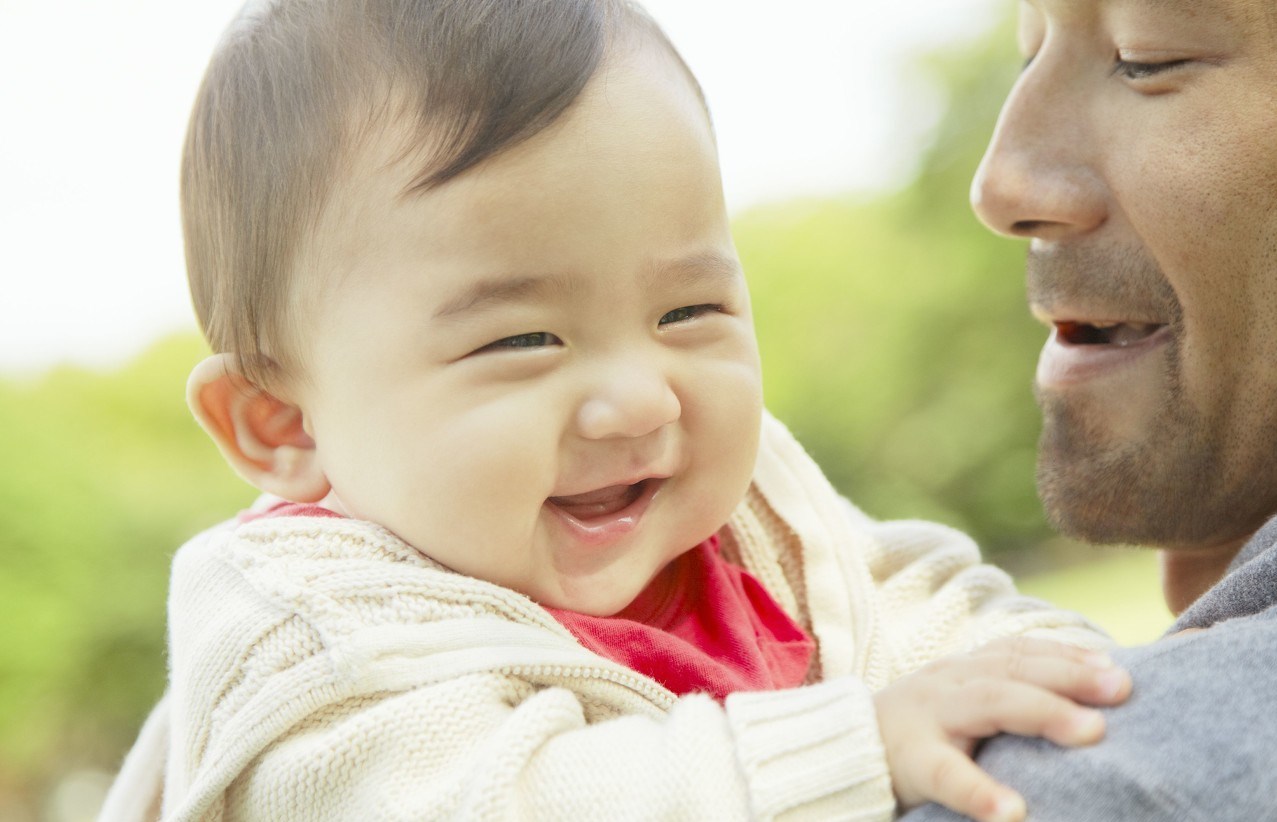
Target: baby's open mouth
x: 603, y: 502
x: 1104, y: 333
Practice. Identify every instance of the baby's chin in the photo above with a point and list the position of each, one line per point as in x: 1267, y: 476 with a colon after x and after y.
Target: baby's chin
x: 593, y: 603
x: 596, y: 597
x: 333, y: 503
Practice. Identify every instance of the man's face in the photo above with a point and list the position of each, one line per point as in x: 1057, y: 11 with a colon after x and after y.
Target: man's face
x: 542, y: 374
x: 1138, y: 152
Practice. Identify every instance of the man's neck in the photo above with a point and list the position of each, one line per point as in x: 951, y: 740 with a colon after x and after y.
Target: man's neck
x: 1187, y: 573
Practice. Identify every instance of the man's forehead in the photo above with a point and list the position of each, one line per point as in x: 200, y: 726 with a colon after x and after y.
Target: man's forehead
x: 1251, y: 20
x: 1233, y: 9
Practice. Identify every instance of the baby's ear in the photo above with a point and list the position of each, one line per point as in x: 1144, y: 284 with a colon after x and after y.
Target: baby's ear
x: 259, y: 434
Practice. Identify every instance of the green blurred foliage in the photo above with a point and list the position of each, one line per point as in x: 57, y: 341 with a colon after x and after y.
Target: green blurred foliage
x: 106, y: 476
x: 895, y: 342
x: 1121, y: 590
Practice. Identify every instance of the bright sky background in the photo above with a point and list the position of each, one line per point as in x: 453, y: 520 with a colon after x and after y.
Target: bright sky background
x: 808, y: 96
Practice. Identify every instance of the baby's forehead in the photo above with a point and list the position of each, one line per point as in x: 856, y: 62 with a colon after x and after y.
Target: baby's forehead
x: 636, y: 117
x: 620, y: 199
x: 390, y: 129
x: 287, y: 133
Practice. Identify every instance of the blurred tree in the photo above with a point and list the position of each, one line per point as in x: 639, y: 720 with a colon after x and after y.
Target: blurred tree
x: 895, y: 337
x: 895, y: 343
x: 106, y: 476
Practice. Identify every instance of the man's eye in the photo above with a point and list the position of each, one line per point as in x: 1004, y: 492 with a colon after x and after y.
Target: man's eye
x: 688, y: 312
x: 1133, y: 70
x: 537, y: 339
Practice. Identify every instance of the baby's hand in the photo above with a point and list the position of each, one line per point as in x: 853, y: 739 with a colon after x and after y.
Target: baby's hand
x: 931, y: 720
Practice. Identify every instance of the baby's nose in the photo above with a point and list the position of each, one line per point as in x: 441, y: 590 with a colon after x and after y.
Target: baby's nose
x: 629, y: 403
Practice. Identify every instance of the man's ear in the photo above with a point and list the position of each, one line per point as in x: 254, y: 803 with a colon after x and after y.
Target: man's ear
x: 259, y: 434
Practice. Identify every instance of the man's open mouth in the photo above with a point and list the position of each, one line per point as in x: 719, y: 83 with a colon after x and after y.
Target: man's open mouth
x: 1117, y: 334
x: 603, y: 502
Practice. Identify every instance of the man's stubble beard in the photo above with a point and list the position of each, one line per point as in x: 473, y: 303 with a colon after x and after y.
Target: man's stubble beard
x: 1148, y: 492
x: 1176, y: 487
x: 1181, y: 483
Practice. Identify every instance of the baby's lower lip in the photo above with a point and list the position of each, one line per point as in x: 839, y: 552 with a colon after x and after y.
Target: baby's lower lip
x: 606, y: 516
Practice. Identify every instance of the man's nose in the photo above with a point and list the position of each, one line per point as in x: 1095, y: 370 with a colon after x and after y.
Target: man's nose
x: 627, y: 399
x: 1038, y: 178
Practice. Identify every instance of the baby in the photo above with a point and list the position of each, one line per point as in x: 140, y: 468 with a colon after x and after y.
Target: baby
x: 530, y: 545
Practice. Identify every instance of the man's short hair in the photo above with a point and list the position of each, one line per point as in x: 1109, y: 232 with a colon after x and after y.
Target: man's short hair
x: 295, y: 85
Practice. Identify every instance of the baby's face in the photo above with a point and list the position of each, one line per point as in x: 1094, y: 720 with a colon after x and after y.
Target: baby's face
x: 544, y: 373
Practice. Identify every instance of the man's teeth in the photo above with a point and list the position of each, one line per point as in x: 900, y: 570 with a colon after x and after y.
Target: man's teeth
x: 1127, y: 333
x: 1105, y: 333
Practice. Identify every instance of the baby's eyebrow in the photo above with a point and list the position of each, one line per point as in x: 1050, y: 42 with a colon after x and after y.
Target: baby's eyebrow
x: 706, y: 268
x: 498, y: 290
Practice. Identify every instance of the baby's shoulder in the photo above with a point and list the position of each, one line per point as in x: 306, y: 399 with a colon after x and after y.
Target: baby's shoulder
x: 260, y: 612
x: 336, y: 575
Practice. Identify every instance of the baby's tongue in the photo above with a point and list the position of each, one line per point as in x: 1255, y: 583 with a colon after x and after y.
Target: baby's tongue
x: 598, y: 503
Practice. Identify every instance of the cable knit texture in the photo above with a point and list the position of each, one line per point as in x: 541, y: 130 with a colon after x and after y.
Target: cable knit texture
x: 322, y: 669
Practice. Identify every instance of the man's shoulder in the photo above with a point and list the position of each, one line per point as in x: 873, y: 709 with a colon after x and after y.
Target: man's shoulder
x: 1196, y: 740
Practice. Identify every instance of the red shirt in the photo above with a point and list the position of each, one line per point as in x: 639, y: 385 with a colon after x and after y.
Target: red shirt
x: 702, y: 625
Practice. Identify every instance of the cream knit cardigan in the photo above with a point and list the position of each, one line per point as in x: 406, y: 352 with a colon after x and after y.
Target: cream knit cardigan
x: 322, y: 669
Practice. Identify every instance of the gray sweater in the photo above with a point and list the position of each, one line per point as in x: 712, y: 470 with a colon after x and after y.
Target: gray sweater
x: 1198, y: 738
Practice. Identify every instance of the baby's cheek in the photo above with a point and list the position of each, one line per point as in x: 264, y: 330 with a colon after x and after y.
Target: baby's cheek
x: 724, y: 425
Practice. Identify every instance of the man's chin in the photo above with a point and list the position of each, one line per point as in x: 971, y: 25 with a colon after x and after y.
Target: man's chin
x: 1126, y: 497
x: 1104, y: 488
x: 1153, y: 473
x: 1093, y: 512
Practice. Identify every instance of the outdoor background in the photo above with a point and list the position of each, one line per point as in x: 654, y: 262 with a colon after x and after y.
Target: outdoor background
x: 895, y: 339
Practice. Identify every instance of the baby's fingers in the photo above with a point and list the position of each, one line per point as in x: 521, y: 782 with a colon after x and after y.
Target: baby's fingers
x: 990, y: 706
x: 1083, y: 676
x: 958, y: 783
x: 1080, y: 682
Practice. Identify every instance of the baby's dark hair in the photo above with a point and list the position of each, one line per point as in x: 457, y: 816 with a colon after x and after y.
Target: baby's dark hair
x: 295, y: 85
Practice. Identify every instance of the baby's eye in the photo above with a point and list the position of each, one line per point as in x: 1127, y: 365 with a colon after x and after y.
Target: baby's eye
x: 688, y: 312
x: 536, y: 339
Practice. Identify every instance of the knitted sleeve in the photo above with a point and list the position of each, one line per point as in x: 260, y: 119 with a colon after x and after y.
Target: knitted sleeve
x: 321, y: 670
x: 936, y: 597
x: 882, y: 598
x: 494, y: 747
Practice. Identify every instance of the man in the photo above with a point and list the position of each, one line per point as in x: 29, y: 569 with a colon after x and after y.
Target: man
x: 1138, y: 154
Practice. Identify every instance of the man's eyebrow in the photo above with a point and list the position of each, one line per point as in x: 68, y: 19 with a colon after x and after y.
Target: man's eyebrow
x: 1154, y: 5
x: 501, y: 290
x: 1165, y: 5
